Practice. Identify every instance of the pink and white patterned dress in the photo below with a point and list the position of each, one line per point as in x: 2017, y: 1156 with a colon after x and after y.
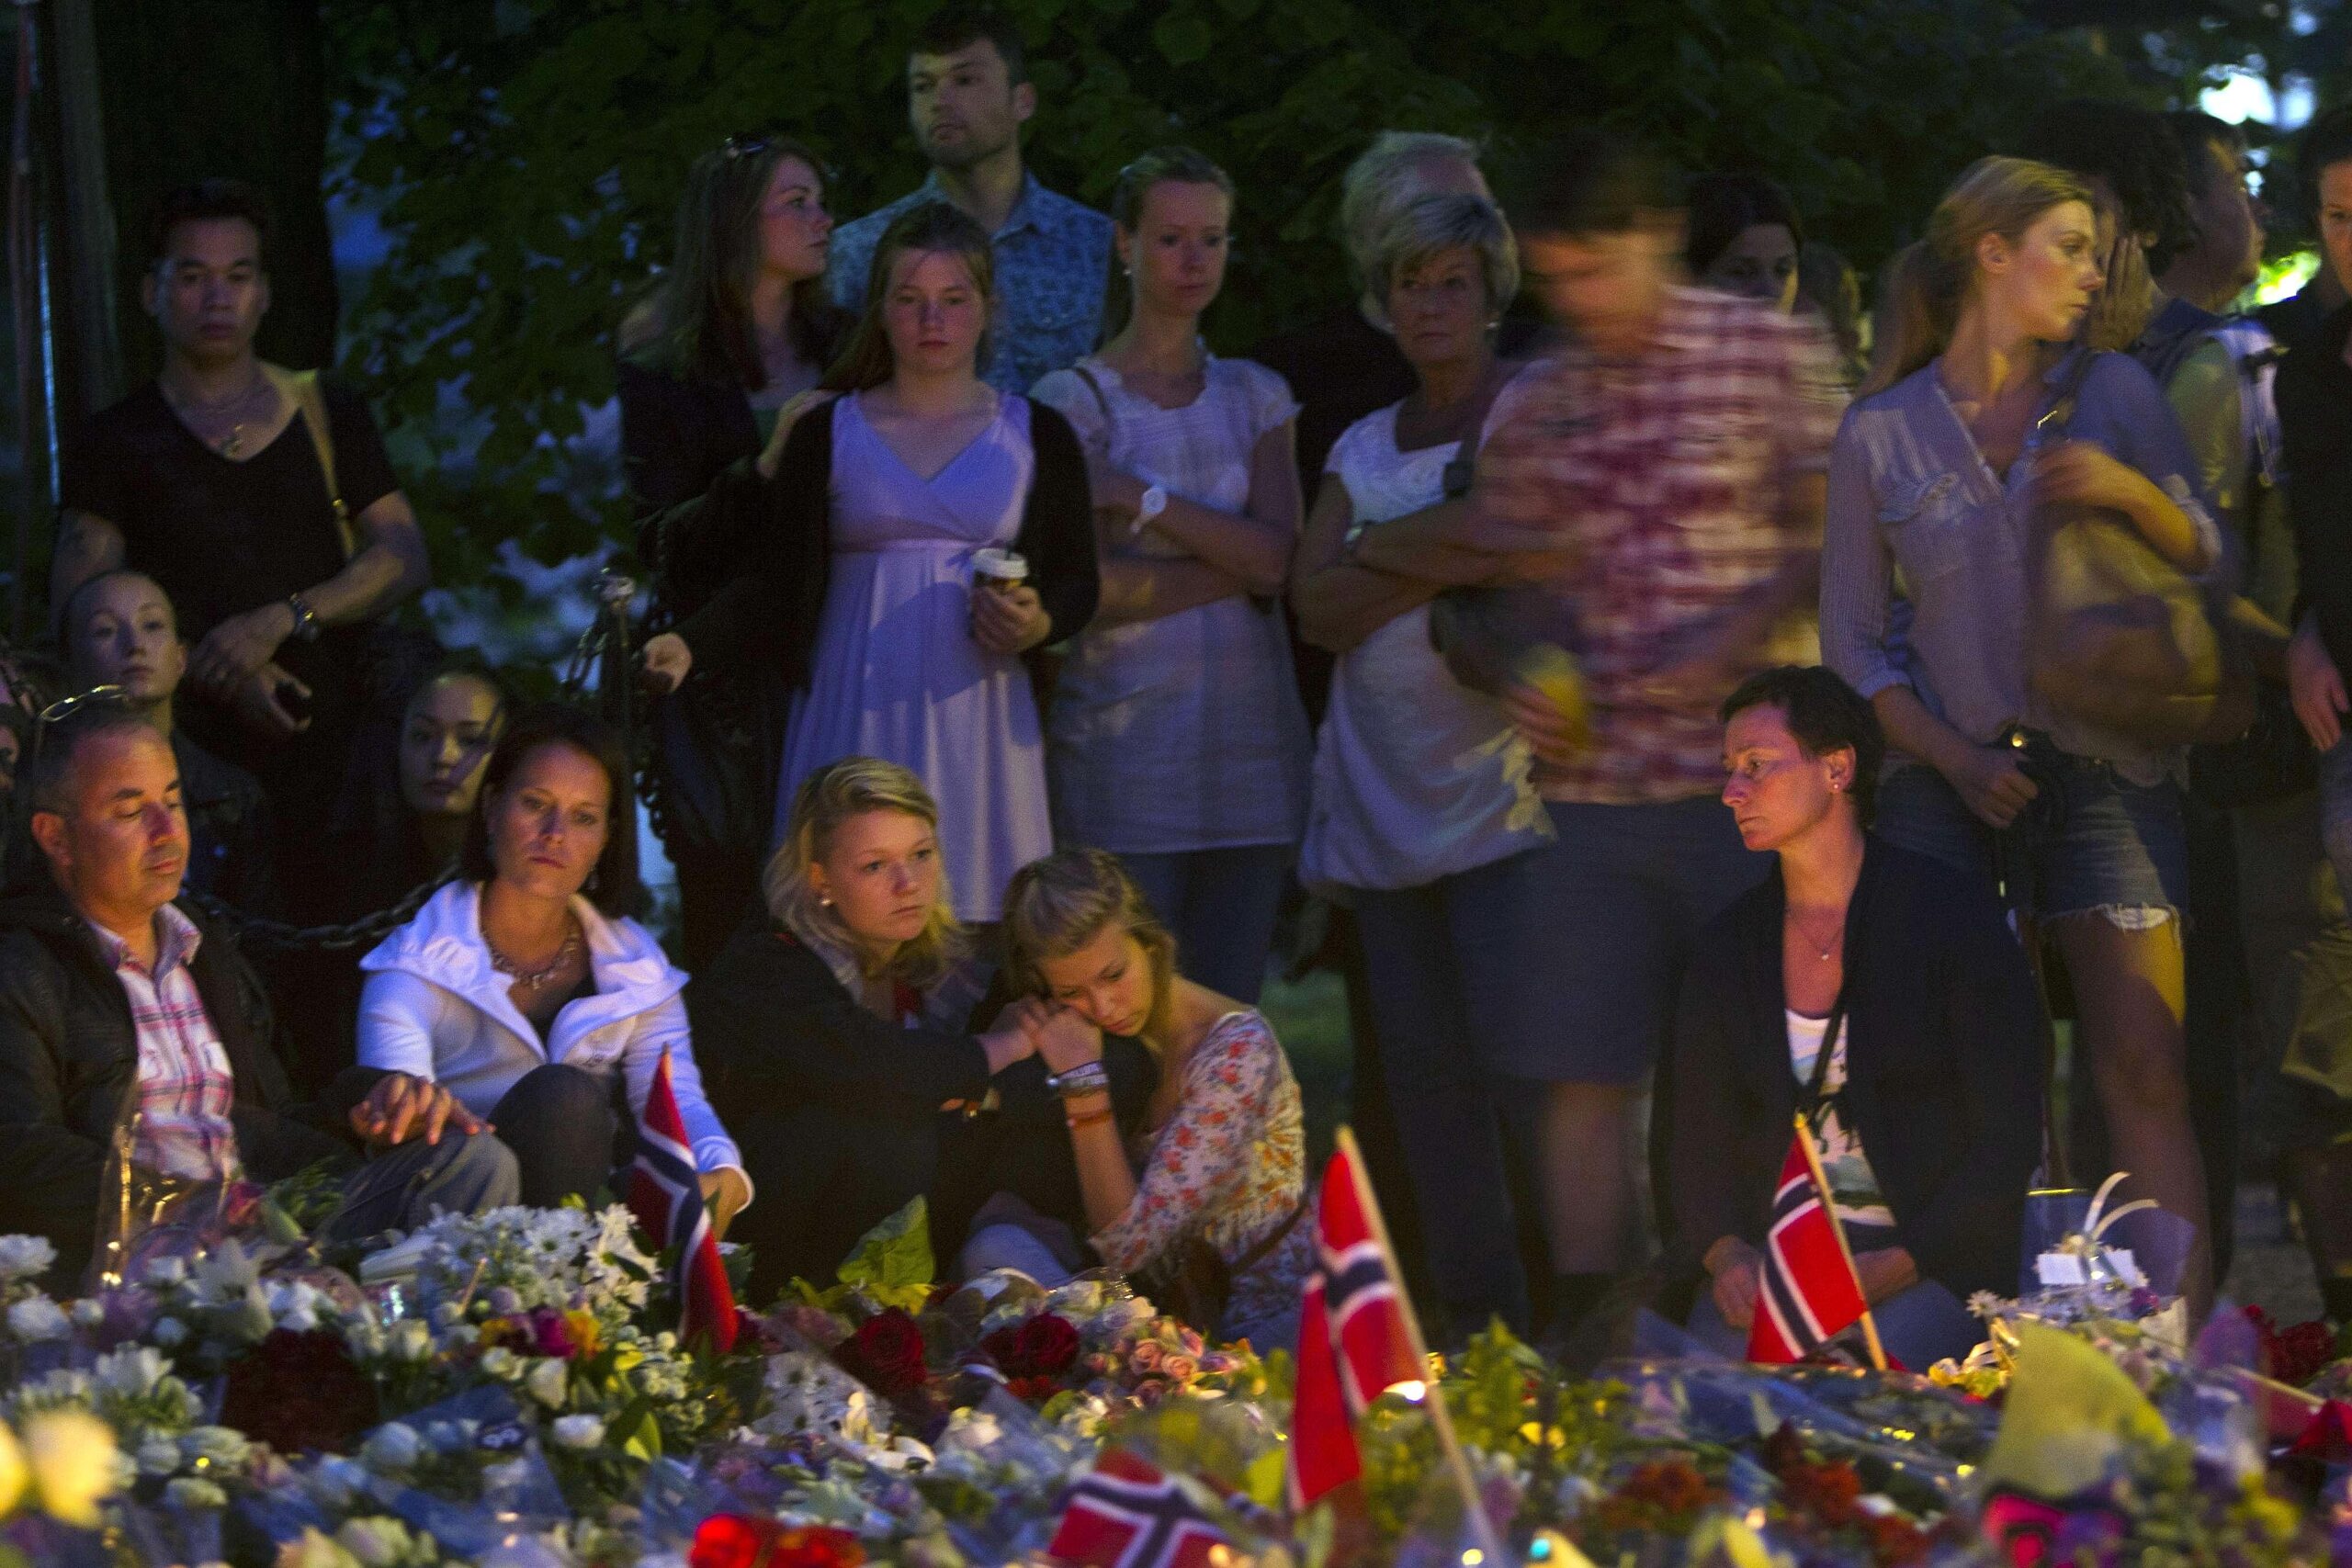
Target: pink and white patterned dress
x: 1230, y: 1166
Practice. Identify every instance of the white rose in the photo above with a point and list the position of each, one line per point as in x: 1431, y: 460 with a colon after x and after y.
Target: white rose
x: 22, y: 1256
x: 194, y: 1492
x: 549, y: 1381
x: 336, y: 1481
x: 89, y: 1311
x: 37, y: 1317
x: 578, y: 1431
x: 168, y: 1332
x: 71, y: 1456
x: 500, y: 1363
x: 391, y: 1447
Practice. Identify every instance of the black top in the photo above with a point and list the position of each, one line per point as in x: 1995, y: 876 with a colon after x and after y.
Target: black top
x: 221, y: 537
x: 1943, y: 1069
x: 229, y: 831
x: 69, y: 1062
x: 776, y: 534
x: 677, y: 432
x: 2315, y: 390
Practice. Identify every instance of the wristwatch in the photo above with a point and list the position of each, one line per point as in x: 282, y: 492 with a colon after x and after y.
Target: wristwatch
x: 1154, y: 503
x: 306, y: 620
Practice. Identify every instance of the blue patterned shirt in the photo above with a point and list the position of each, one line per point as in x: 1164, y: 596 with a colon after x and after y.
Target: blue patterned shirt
x: 1053, y: 259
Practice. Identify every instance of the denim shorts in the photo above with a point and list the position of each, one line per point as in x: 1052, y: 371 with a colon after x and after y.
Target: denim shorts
x: 2091, y: 842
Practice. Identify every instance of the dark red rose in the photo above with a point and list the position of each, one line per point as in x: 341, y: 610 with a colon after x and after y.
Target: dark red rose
x: 1042, y: 1347
x: 817, y: 1546
x: 885, y: 1354
x: 299, y: 1391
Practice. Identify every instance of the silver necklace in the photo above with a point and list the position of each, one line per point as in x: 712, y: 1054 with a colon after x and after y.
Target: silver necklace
x: 532, y: 979
x: 1825, y: 953
x: 227, y: 446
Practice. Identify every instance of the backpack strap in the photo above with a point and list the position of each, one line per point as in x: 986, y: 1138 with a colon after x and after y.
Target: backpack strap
x: 302, y: 388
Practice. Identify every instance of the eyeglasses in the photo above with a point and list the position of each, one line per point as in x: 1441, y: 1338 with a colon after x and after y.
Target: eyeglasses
x: 105, y: 695
x: 751, y: 146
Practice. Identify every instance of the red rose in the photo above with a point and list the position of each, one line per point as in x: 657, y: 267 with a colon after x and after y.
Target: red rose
x: 885, y: 1354
x: 731, y: 1540
x: 817, y: 1546
x: 1044, y: 1347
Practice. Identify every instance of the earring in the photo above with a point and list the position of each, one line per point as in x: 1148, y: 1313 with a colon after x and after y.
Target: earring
x: 824, y: 900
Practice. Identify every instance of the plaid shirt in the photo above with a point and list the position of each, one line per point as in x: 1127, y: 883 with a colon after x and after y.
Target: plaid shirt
x: 185, y: 1088
x: 1667, y: 473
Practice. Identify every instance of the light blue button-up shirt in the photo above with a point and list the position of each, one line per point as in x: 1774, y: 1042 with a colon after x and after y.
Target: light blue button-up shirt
x: 1910, y: 493
x: 1053, y: 262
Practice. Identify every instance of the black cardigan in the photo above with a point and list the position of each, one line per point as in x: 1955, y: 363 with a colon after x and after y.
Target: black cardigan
x: 771, y: 608
x: 1943, y: 1069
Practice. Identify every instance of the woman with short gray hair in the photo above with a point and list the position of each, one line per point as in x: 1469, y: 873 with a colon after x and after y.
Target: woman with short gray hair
x: 1422, y: 816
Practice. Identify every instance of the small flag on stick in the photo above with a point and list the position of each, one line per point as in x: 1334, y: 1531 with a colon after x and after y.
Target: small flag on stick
x: 1808, y: 1293
x: 665, y: 1194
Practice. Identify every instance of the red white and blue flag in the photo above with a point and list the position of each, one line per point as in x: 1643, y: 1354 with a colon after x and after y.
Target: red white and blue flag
x: 1354, y: 1342
x: 1127, y: 1513
x: 665, y: 1194
x: 1807, y: 1293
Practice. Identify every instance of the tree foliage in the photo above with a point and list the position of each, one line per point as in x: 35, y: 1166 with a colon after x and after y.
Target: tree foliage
x: 526, y: 156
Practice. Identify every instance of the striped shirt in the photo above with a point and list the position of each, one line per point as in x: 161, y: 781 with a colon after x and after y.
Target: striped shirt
x: 1668, y: 474
x: 186, y: 1087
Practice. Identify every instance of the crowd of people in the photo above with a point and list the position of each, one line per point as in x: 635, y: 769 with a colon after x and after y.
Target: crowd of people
x: 1701, y: 703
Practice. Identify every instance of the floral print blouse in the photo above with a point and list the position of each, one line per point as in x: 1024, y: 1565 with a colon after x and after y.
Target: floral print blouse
x: 1231, y: 1165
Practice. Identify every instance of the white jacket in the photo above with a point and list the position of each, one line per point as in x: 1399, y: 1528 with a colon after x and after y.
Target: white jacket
x: 436, y: 1008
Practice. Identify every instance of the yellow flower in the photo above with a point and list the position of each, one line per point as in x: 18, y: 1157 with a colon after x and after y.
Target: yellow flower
x: 584, y: 1331
x: 72, y: 1455
x: 12, y: 1472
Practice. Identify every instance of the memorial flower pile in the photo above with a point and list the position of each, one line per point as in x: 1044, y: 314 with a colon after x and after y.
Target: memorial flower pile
x: 510, y: 1389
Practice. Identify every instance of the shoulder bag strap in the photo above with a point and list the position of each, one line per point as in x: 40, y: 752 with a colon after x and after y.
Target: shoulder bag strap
x: 1110, y: 420
x: 303, y: 387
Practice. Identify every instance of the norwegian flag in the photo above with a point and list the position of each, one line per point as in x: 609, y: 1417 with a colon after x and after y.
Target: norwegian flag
x: 1127, y: 1513
x: 1354, y: 1340
x: 1808, y: 1292
x: 665, y: 1194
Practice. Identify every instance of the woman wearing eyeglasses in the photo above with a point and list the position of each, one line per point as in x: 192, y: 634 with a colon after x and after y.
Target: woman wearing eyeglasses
x: 738, y: 327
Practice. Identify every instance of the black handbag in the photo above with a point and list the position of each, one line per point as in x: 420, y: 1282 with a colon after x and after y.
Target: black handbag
x: 2272, y: 760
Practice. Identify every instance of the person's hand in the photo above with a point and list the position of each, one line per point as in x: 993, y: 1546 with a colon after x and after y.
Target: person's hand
x: 402, y: 1106
x: 726, y: 1192
x: 259, y: 701
x: 771, y: 456
x: 237, y: 648
x: 1113, y: 490
x: 1739, y: 1275
x: 2316, y: 686
x: 1885, y: 1272
x: 2077, y: 473
x: 1556, y: 737
x: 1066, y: 1040
x: 1014, y: 1036
x: 1992, y: 783
x: 664, y: 662
x: 1009, y: 620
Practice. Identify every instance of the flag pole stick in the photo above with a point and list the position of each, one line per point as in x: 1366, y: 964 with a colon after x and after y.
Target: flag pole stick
x: 1457, y: 1464
x: 1837, y: 1229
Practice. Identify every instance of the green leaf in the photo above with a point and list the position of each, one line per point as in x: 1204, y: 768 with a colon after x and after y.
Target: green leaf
x: 1182, y: 37
x: 640, y: 1432
x: 892, y: 1263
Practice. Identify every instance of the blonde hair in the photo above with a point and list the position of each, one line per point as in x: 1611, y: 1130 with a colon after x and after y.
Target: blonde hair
x: 1929, y: 281
x: 826, y: 800
x: 1428, y: 227
x: 1385, y: 179
x: 1055, y: 905
x: 933, y: 226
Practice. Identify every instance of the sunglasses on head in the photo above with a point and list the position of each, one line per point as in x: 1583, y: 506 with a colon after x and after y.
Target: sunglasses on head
x: 105, y: 695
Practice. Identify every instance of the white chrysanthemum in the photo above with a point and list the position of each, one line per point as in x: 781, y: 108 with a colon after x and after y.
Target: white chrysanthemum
x: 223, y: 1448
x: 22, y: 1256
x: 378, y: 1541
x: 549, y: 1381
x: 194, y: 1492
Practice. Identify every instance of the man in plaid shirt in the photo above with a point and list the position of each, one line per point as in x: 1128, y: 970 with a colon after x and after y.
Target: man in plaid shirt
x: 1669, y: 461
x: 118, y: 1006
